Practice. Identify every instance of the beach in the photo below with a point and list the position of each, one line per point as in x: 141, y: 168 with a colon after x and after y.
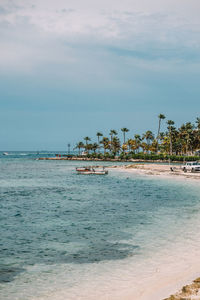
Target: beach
x: 158, y: 169
x: 184, y: 285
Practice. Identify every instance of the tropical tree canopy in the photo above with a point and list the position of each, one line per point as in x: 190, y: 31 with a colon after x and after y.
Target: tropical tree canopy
x: 87, y: 139
x: 179, y: 141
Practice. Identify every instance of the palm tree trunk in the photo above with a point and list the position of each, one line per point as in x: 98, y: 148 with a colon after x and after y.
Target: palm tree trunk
x: 187, y: 146
x: 159, y: 128
x: 170, y: 142
x: 111, y: 138
x: 158, y: 133
x: 98, y: 144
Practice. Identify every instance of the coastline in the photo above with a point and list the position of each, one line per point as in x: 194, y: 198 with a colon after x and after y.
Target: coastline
x: 155, y: 276
x: 132, y: 160
x: 160, y: 170
x: 182, y: 284
x: 142, y: 167
x: 185, y: 285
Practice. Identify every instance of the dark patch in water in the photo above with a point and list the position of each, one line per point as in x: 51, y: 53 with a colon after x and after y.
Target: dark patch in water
x: 8, y: 274
x: 94, y: 252
x: 101, y: 252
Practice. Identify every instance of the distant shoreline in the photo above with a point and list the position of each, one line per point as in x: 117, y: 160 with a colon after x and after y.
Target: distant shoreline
x: 104, y: 160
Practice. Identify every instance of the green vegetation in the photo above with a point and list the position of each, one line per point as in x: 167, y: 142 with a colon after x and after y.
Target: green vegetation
x: 176, y: 144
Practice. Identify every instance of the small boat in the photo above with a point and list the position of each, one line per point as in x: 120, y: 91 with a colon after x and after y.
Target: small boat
x: 92, y: 170
x: 83, y: 169
x: 5, y: 153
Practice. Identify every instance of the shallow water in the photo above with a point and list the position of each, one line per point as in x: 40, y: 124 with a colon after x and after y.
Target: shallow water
x: 63, y: 233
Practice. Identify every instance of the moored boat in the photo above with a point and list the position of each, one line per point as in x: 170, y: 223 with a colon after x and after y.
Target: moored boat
x: 90, y: 170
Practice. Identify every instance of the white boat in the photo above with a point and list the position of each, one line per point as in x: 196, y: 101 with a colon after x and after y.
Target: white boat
x: 83, y: 169
x: 92, y: 170
x: 5, y: 153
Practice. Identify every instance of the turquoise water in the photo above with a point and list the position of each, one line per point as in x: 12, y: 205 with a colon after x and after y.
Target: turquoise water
x: 60, y: 229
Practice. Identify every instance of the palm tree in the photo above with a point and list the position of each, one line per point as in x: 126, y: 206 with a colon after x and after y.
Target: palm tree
x: 161, y: 136
x: 153, y: 147
x: 170, y: 123
x: 198, y: 123
x: 189, y: 137
x: 87, y: 139
x: 89, y: 147
x: 79, y: 146
x: 160, y: 117
x: 124, y: 130
x: 106, y: 143
x: 116, y: 145
x: 144, y: 147
x: 95, y: 146
x: 98, y: 136
x: 138, y: 140
x: 112, y: 132
x: 166, y: 144
x: 196, y: 134
x: 130, y: 143
x: 148, y: 135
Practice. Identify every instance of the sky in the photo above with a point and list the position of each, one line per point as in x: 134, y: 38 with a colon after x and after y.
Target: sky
x: 69, y: 69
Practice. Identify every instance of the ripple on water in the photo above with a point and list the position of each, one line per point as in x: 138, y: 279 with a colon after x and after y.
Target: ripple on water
x: 53, y: 217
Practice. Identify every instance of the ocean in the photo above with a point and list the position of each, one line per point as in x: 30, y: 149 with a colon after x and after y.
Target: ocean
x: 66, y: 236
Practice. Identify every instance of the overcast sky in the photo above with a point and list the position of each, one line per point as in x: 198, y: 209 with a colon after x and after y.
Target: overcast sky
x: 71, y: 68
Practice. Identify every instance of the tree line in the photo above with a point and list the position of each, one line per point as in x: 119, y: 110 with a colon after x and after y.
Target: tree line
x: 174, y: 141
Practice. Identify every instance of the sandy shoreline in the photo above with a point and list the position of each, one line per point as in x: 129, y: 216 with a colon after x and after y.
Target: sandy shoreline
x: 167, y: 284
x: 158, y: 170
x: 181, y: 287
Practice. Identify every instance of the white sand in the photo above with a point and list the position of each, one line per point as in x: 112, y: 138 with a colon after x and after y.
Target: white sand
x: 171, y: 278
x: 158, y: 170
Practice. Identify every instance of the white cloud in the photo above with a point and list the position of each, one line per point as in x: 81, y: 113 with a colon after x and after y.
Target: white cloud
x: 107, y: 18
x: 37, y: 32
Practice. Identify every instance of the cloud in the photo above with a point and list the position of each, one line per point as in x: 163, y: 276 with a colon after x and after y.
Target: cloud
x: 113, y: 60
x: 41, y: 32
